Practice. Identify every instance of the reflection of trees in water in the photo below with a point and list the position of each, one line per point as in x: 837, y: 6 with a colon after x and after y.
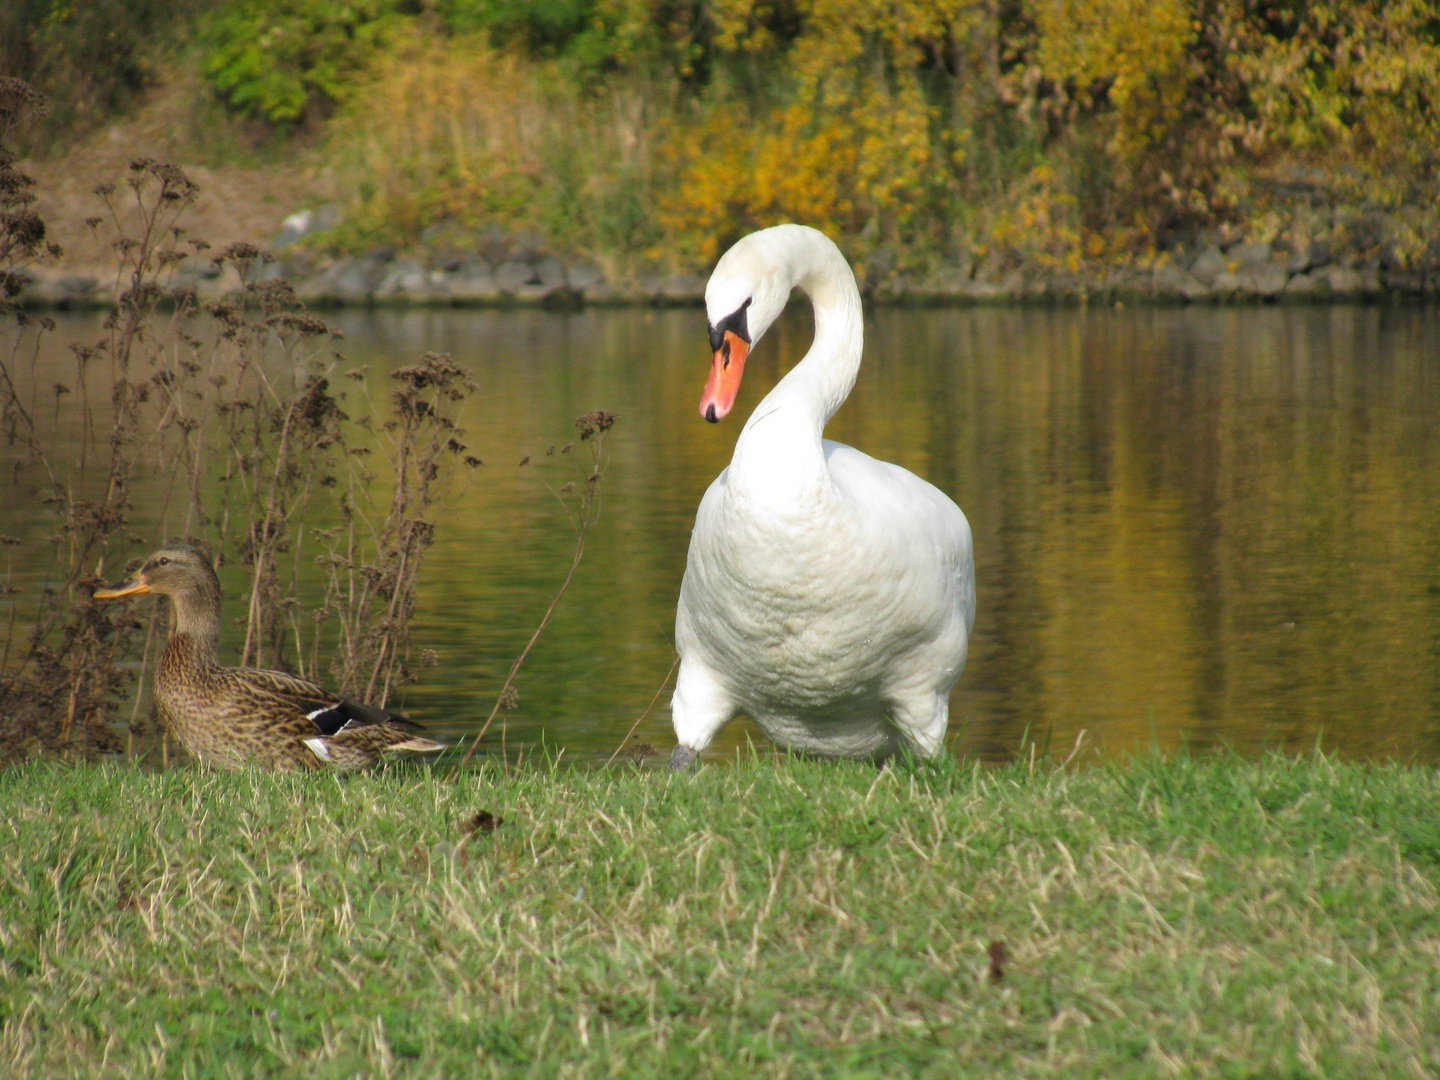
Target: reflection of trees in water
x: 1221, y: 523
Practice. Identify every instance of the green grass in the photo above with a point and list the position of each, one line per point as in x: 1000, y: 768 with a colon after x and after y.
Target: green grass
x: 1204, y: 917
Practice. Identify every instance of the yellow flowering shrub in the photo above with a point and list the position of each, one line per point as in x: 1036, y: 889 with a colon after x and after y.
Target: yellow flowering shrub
x: 851, y: 147
x: 446, y: 130
x: 735, y: 175
x: 1352, y: 82
x: 1187, y: 95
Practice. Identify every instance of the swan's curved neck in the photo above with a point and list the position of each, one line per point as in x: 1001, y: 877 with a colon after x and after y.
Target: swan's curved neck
x: 792, y: 417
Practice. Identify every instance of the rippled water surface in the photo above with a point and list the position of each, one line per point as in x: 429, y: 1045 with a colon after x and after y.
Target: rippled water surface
x: 1196, y: 526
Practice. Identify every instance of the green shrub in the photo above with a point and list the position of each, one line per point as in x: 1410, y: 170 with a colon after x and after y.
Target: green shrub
x: 89, y: 56
x: 283, y: 61
x: 542, y: 26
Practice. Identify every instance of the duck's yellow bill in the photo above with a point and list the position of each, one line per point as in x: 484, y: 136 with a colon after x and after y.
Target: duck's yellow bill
x: 125, y: 588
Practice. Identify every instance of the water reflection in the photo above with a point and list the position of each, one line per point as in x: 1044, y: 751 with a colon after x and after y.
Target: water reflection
x: 1200, y: 526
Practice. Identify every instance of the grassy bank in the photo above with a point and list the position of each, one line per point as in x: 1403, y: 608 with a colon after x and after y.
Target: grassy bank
x: 1191, y: 917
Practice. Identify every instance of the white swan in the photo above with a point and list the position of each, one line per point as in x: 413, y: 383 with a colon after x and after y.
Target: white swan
x: 828, y: 596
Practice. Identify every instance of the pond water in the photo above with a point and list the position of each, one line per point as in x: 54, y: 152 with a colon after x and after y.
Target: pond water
x: 1193, y: 526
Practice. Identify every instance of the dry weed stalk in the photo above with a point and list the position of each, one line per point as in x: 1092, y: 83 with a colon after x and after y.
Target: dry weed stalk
x: 295, y: 475
x: 593, y: 428
x: 641, y: 718
x: 56, y: 689
x: 282, y: 439
x: 226, y: 409
x: 374, y: 568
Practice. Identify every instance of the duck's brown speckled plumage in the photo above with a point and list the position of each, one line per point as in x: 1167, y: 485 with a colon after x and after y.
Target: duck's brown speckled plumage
x: 248, y: 716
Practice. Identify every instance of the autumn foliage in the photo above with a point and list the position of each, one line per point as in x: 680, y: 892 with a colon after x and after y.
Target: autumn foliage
x: 1056, y: 132
x: 1062, y: 128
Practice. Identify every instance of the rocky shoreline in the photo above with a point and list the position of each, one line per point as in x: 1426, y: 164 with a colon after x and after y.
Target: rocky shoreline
x: 1240, y: 272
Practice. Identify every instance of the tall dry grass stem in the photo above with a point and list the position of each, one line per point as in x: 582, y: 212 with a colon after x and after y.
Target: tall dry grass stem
x: 641, y: 718
x: 593, y: 428
x: 226, y: 410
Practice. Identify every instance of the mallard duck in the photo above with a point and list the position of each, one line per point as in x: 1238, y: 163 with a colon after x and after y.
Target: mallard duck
x: 248, y: 716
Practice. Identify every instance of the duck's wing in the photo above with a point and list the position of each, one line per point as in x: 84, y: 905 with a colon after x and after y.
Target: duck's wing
x: 329, y: 713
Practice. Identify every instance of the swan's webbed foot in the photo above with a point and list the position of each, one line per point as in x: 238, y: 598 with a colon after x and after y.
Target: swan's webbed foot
x: 682, y: 758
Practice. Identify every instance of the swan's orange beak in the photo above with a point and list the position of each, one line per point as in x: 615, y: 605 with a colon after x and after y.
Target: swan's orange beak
x: 724, y: 383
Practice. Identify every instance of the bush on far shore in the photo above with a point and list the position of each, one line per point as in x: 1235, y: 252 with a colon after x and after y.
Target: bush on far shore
x: 653, y: 133
x: 1045, y: 131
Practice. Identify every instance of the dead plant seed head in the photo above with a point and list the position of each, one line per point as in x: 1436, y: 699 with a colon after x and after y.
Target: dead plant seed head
x: 595, y: 423
x: 639, y: 751
x: 20, y: 104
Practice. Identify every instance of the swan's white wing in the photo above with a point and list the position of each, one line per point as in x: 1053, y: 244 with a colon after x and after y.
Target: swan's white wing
x: 705, y: 539
x: 915, y: 522
x: 707, y: 526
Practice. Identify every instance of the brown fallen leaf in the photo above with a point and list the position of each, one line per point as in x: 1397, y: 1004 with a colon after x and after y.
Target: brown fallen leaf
x: 484, y: 822
x: 999, y: 956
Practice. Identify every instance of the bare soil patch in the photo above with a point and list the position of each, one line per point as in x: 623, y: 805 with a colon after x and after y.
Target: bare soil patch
x: 244, y: 195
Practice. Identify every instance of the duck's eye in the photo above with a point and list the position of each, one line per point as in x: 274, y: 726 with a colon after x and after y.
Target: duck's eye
x: 162, y: 561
